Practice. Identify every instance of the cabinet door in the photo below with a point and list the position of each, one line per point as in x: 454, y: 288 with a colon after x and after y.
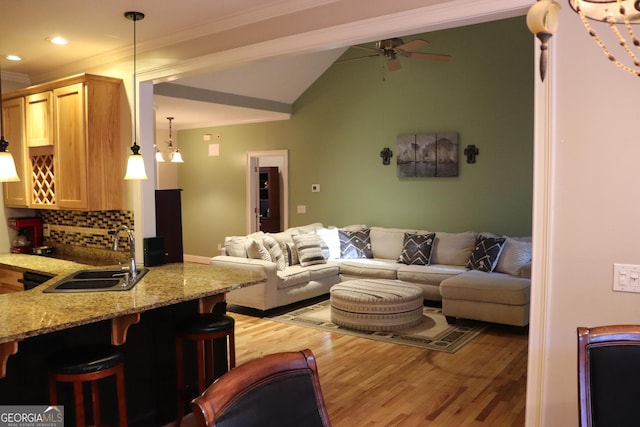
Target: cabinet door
x: 70, y: 152
x: 13, y: 119
x: 39, y: 120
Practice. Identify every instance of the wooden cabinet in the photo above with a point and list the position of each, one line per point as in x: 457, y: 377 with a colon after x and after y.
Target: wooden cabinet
x: 269, y: 181
x: 39, y: 120
x: 9, y: 281
x: 73, y: 144
x: 169, y: 223
x: 13, y: 118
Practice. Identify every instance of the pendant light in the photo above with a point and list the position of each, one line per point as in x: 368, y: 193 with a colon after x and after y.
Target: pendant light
x: 8, y: 171
x: 173, y: 153
x: 176, y: 157
x: 135, y: 163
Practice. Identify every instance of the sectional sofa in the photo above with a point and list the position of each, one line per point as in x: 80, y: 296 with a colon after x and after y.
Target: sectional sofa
x: 477, y: 276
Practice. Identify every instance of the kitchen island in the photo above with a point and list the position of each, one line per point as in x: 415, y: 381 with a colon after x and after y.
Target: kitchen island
x: 42, y: 320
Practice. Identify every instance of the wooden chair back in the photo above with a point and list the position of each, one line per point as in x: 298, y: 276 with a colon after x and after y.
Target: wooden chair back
x: 609, y: 375
x: 281, y: 389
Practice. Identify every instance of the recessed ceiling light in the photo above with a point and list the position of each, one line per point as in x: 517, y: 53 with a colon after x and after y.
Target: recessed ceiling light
x: 57, y: 40
x: 13, y: 58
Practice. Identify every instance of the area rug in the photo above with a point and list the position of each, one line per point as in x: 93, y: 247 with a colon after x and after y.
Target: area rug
x: 433, y: 333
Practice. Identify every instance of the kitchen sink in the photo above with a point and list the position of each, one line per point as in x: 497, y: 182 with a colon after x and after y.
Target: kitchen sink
x: 96, y: 280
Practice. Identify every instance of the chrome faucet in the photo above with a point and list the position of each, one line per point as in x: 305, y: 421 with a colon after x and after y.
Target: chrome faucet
x: 132, y: 249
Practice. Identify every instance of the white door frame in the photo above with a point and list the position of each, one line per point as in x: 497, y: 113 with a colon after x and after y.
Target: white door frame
x: 253, y: 158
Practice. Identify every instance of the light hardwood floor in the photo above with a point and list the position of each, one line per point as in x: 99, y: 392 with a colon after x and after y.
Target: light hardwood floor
x: 371, y: 383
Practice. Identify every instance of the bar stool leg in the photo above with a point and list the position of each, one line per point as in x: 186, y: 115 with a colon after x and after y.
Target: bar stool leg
x: 122, y: 403
x: 79, y: 399
x: 180, y: 380
x: 232, y: 350
x: 95, y: 395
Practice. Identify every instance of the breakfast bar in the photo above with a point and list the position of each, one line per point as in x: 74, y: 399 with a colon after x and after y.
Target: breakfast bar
x: 162, y: 294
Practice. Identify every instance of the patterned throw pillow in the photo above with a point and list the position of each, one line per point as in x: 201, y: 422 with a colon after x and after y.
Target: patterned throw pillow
x: 485, y: 254
x: 290, y: 254
x: 416, y: 248
x: 274, y: 250
x: 309, y: 249
x: 355, y: 244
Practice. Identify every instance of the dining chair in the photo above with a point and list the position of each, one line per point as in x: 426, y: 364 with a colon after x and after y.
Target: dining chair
x: 281, y: 389
x: 609, y: 375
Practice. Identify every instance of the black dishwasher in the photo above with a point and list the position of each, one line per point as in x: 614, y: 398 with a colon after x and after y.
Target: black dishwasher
x: 31, y: 280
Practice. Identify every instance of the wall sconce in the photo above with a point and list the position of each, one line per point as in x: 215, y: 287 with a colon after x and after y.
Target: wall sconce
x: 542, y: 20
x: 386, y: 155
x: 622, y: 12
x: 471, y: 152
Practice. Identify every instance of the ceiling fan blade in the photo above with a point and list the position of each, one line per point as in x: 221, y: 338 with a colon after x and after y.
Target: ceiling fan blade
x: 413, y: 45
x: 342, y: 61
x: 430, y: 56
x: 393, y: 64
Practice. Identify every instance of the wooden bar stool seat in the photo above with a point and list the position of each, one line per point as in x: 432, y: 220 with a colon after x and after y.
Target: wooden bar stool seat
x: 202, y: 329
x: 88, y: 364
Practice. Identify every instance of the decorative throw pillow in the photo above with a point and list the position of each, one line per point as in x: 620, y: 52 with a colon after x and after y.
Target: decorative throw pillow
x: 515, y: 255
x: 330, y: 242
x: 256, y: 250
x: 290, y: 254
x: 309, y: 250
x: 416, y: 248
x: 274, y: 251
x: 485, y: 254
x: 236, y: 246
x: 355, y: 244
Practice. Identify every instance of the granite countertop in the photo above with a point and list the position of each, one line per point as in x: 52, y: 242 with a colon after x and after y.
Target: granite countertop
x: 32, y: 312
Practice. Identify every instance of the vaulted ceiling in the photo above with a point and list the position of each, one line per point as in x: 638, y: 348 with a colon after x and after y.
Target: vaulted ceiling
x: 217, y: 62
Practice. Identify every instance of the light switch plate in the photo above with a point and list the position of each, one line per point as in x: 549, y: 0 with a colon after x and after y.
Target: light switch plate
x: 626, y: 278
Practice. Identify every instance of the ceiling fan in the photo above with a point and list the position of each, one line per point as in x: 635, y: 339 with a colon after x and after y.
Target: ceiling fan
x: 392, y: 49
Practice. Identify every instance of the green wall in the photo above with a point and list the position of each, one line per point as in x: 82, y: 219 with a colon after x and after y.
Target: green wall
x: 343, y: 121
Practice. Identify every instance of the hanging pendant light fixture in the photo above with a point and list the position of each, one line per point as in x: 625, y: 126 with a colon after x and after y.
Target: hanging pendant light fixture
x: 619, y: 15
x: 174, y: 153
x: 8, y: 171
x: 176, y: 157
x: 135, y: 163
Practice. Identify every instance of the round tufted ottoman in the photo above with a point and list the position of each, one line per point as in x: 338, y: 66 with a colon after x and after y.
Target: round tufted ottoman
x: 376, y: 305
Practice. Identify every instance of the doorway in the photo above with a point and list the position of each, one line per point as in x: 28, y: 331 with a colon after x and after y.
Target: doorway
x: 266, y: 159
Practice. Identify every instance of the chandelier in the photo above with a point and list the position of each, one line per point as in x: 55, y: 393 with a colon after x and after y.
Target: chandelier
x: 172, y: 151
x: 618, y: 15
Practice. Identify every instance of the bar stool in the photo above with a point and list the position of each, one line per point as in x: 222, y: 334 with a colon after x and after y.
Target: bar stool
x: 203, y: 329
x: 88, y: 364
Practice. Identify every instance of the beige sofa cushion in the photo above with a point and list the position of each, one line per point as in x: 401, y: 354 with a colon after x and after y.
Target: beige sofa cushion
x: 367, y: 267
x: 429, y: 274
x: 387, y: 243
x: 321, y: 271
x: 292, y: 276
x: 452, y: 248
x: 493, y: 287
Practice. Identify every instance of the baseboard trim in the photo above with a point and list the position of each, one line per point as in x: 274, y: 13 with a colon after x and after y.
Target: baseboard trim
x: 196, y: 259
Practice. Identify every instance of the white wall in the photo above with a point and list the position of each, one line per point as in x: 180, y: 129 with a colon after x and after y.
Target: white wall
x: 592, y: 216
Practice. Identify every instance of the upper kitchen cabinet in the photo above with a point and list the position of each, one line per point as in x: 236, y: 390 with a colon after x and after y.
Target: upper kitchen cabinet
x: 39, y: 120
x: 13, y: 117
x: 74, y: 159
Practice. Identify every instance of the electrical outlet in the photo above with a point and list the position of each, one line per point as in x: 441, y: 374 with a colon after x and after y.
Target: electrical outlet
x: 302, y: 209
x: 315, y: 188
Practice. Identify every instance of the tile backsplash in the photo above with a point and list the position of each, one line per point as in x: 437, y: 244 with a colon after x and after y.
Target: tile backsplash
x: 85, y: 233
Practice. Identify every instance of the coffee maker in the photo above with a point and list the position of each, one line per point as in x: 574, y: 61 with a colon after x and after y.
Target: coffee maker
x: 29, y: 234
